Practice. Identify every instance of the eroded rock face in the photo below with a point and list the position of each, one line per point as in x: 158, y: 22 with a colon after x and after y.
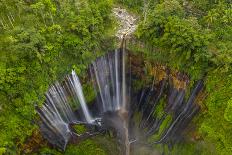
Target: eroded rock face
x: 127, y: 23
x: 134, y: 112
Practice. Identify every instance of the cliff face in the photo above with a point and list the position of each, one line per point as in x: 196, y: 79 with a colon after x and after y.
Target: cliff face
x: 183, y: 36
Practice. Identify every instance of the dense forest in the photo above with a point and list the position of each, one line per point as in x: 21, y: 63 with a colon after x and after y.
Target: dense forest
x: 43, y: 40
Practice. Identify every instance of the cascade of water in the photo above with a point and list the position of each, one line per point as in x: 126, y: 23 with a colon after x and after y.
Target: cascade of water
x: 108, y: 74
x: 56, y: 114
x: 118, y: 106
x: 77, y: 89
x: 124, y: 94
x: 117, y: 79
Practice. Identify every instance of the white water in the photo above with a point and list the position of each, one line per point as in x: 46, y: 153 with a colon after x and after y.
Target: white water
x: 79, y: 93
x: 56, y: 114
x: 124, y: 94
x: 108, y: 72
x: 109, y: 76
x: 116, y: 57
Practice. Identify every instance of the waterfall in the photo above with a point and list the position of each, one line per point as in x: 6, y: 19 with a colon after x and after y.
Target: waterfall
x: 56, y: 114
x: 134, y: 114
x: 108, y: 74
x: 76, y: 87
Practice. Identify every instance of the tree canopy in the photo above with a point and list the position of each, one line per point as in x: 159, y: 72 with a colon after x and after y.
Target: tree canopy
x: 42, y: 40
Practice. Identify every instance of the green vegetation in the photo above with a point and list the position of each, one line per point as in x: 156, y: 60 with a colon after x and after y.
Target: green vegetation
x: 86, y: 147
x: 195, y: 37
x: 42, y: 40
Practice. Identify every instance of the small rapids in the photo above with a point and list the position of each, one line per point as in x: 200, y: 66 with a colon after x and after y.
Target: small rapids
x: 135, y: 115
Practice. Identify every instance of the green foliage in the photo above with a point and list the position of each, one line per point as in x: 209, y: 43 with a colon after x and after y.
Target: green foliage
x: 40, y: 42
x: 133, y: 5
x: 87, y: 147
x: 228, y: 111
x: 215, y: 125
x: 2, y: 150
x: 97, y: 145
x: 165, y: 124
x: 89, y: 92
x: 84, y: 148
x: 80, y: 129
x: 159, y: 110
x: 179, y: 39
x: 195, y: 37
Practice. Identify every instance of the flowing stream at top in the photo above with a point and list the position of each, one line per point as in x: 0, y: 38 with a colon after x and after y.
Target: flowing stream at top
x: 117, y: 105
x: 126, y: 28
x: 127, y: 23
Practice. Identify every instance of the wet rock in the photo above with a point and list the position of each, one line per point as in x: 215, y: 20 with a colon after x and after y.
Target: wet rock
x: 127, y: 23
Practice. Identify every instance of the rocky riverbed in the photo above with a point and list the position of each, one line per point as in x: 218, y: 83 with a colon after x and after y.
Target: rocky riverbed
x: 127, y: 22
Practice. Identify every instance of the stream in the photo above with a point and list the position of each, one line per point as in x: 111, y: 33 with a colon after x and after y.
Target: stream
x: 127, y: 22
